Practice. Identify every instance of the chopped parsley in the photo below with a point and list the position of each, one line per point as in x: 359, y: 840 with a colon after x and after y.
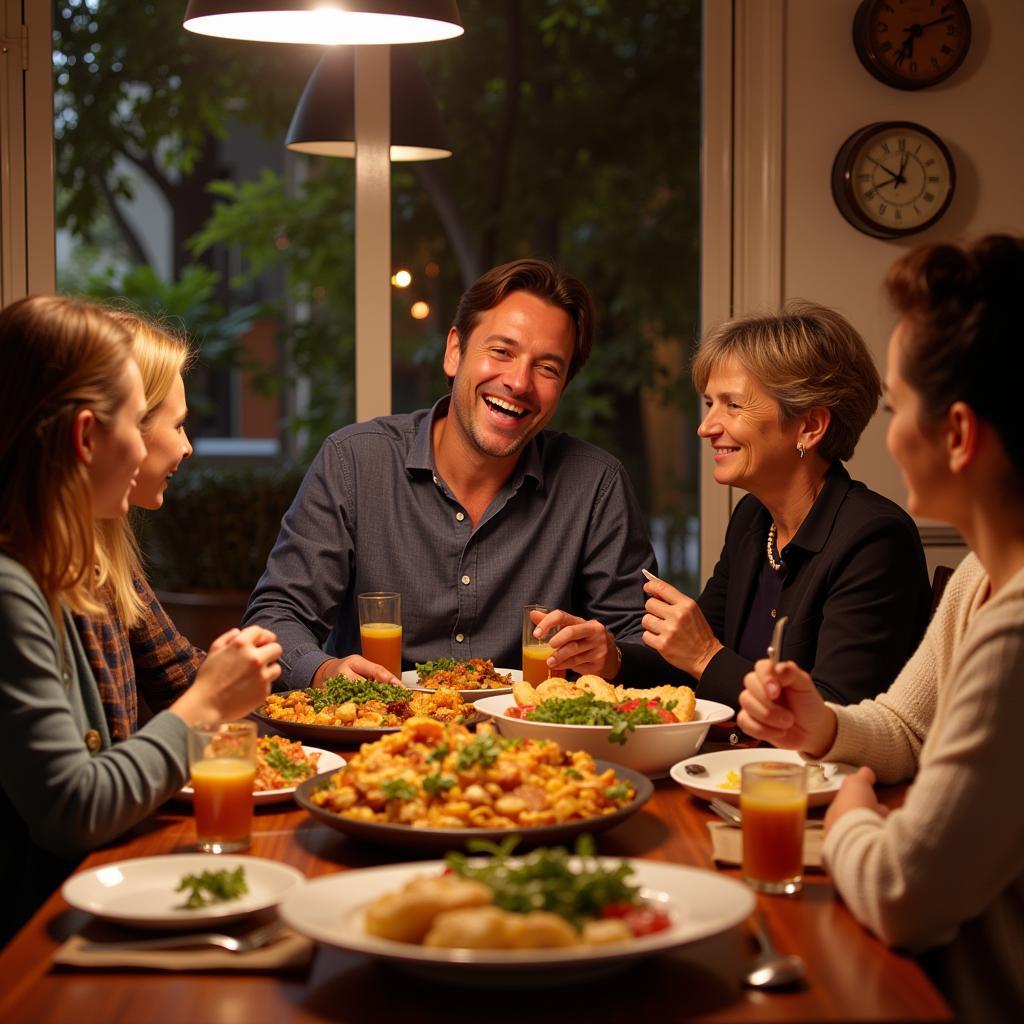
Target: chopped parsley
x: 437, y: 783
x: 483, y: 750
x: 212, y: 887
x: 439, y: 753
x: 424, y: 669
x: 620, y: 791
x: 398, y: 789
x: 341, y: 690
x: 288, y: 769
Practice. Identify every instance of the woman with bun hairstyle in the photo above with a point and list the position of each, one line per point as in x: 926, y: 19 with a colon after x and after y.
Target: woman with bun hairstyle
x: 71, y: 409
x: 944, y: 872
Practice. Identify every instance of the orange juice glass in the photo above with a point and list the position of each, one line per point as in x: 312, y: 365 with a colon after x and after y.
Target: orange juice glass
x: 773, y: 799
x: 380, y: 629
x: 537, y: 650
x: 222, y: 760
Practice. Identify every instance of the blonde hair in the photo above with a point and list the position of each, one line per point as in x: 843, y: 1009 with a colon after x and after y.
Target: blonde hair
x: 162, y: 354
x: 803, y: 356
x: 61, y: 355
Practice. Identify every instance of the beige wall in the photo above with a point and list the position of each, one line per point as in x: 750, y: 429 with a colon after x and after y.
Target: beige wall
x: 826, y: 95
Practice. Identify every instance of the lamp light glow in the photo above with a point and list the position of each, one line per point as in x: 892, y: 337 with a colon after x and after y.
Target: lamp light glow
x: 355, y: 22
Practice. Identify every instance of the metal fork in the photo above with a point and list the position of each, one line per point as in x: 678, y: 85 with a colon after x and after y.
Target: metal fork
x: 232, y: 943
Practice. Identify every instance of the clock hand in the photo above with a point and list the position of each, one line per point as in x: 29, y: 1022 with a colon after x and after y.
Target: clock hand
x: 884, y: 168
x: 928, y: 24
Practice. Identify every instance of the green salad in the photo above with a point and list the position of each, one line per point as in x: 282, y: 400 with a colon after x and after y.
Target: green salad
x: 588, y: 710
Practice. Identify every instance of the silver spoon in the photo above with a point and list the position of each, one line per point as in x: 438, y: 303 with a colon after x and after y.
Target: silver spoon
x: 772, y: 969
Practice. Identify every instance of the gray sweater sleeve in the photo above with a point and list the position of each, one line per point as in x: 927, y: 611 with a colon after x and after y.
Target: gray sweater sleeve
x: 71, y: 800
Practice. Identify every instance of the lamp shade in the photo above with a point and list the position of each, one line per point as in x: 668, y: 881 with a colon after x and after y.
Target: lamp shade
x: 324, y: 120
x: 330, y: 22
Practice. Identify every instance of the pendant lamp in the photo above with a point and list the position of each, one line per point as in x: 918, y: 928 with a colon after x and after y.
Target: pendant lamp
x: 329, y: 22
x: 324, y: 120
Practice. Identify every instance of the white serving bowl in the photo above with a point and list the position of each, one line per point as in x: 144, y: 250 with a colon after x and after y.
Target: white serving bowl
x: 651, y: 749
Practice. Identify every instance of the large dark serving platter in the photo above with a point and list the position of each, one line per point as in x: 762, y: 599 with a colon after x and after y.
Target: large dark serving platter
x: 442, y: 839
x: 342, y: 735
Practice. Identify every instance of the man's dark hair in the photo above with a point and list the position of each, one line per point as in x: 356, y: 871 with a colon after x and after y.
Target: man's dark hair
x: 546, y: 282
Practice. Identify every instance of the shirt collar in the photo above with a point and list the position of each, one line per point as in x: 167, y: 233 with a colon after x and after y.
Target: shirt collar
x: 817, y: 526
x: 421, y: 451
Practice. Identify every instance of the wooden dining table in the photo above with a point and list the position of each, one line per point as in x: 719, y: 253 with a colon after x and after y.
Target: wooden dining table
x: 851, y: 976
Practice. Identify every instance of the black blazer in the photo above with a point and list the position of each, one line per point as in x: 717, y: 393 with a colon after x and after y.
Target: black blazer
x: 856, y: 592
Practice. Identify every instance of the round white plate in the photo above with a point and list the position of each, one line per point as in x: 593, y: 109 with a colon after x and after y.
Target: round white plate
x: 331, y: 910
x: 329, y: 762
x: 411, y: 680
x: 141, y: 893
x: 719, y: 764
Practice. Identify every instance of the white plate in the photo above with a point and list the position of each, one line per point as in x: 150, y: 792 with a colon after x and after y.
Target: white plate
x: 329, y: 762
x: 331, y: 910
x: 141, y: 893
x: 719, y: 764
x: 411, y: 680
x: 651, y: 749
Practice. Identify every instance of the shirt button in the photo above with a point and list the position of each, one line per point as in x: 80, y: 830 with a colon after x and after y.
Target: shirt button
x: 459, y: 638
x: 436, y: 481
x: 465, y: 579
x: 460, y: 516
x: 93, y: 741
x: 774, y: 613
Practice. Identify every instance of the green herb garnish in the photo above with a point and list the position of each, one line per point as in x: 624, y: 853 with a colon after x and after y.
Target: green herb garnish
x: 483, y: 750
x: 398, y: 789
x: 212, y: 887
x: 341, y: 690
x: 620, y: 791
x: 587, y: 710
x: 425, y: 669
x: 439, y: 753
x: 546, y: 879
x: 283, y: 764
x: 438, y: 783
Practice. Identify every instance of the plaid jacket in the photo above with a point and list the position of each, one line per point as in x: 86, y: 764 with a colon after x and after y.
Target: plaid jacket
x: 152, y: 659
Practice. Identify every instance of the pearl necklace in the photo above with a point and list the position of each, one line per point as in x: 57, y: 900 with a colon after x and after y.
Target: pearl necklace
x: 777, y: 566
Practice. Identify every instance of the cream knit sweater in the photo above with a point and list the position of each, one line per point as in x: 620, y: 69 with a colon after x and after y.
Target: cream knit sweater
x: 947, y: 868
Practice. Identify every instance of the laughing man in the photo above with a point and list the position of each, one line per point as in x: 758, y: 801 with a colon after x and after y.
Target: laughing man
x: 470, y: 510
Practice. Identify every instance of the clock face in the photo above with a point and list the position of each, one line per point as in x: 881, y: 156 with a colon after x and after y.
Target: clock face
x: 911, y: 44
x: 893, y: 178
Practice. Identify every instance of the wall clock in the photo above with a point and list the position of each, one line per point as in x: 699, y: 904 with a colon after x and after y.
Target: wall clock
x: 912, y: 44
x: 893, y: 178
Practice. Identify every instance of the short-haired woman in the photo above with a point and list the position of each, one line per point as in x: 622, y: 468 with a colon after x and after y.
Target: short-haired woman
x: 787, y: 397
x: 946, y: 870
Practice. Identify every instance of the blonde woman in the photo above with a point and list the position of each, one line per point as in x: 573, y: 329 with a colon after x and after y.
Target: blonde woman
x: 133, y: 647
x: 71, y: 408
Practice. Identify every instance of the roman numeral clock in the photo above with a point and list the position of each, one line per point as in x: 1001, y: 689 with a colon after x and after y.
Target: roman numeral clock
x: 895, y: 178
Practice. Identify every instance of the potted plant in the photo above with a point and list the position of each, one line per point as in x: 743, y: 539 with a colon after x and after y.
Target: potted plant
x: 208, y: 545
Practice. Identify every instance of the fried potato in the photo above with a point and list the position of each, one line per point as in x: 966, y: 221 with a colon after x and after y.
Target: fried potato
x: 408, y: 915
x: 601, y: 689
x: 557, y: 689
x: 525, y: 693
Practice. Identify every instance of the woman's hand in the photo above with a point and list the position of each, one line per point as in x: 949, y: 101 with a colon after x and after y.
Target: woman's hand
x: 235, y: 678
x: 675, y: 627
x: 583, y: 645
x: 857, y: 790
x: 780, y: 704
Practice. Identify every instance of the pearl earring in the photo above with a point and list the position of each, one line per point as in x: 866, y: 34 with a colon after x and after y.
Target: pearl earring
x: 801, y: 450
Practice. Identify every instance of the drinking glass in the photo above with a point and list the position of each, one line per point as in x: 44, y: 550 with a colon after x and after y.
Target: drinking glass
x: 537, y: 650
x: 380, y: 629
x: 222, y: 760
x: 773, y: 799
